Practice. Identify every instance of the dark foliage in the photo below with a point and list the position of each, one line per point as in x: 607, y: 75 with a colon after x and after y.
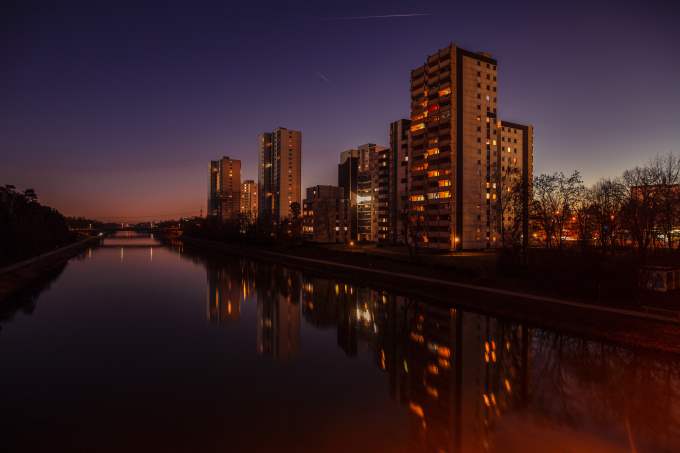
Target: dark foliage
x: 28, y: 228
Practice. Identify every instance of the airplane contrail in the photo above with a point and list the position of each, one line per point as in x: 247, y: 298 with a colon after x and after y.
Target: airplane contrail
x: 386, y: 16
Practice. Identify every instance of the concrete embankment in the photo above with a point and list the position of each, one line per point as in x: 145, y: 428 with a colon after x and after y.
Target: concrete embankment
x: 19, y: 275
x: 608, y: 323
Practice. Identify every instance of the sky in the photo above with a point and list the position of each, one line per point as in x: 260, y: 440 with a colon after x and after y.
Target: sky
x: 113, y: 111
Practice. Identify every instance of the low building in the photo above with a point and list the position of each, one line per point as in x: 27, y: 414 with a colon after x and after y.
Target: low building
x: 324, y: 215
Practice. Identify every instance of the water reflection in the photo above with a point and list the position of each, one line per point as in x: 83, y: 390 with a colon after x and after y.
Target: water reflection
x: 25, y: 300
x: 158, y: 346
x: 223, y: 301
x: 278, y: 312
x: 469, y: 382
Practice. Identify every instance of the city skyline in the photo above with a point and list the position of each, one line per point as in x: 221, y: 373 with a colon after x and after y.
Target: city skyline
x: 340, y: 226
x: 112, y: 124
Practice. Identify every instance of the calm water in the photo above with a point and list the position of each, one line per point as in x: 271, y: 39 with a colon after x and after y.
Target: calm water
x: 135, y: 346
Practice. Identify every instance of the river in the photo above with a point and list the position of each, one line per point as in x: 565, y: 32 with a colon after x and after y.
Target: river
x: 136, y: 345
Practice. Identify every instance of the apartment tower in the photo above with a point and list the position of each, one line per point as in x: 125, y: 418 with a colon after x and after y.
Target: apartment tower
x: 515, y: 169
x: 224, y: 189
x: 368, y: 196
x: 453, y: 137
x: 279, y: 173
x: 398, y: 179
x: 348, y: 170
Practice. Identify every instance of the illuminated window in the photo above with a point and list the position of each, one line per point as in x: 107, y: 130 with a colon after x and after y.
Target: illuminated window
x: 433, y: 173
x: 431, y: 152
x: 438, y: 195
x: 417, y: 127
x: 445, y: 92
x: 444, y: 183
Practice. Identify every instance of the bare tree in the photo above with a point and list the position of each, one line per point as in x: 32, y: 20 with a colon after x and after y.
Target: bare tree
x: 608, y: 196
x: 583, y: 216
x: 666, y: 172
x: 509, y: 209
x: 545, y: 204
x: 639, y: 211
x: 554, y: 198
x: 570, y: 188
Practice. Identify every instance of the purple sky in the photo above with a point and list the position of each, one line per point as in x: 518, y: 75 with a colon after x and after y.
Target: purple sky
x: 114, y: 112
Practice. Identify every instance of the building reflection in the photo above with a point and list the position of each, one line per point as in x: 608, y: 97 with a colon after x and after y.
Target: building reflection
x: 470, y: 382
x: 223, y: 302
x: 278, y: 312
x: 466, y: 379
x: 230, y: 283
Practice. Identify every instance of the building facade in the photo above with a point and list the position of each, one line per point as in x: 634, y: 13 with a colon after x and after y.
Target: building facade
x: 454, y: 159
x: 348, y: 170
x: 397, y: 165
x: 324, y: 215
x: 381, y: 195
x: 515, y: 170
x: 368, y: 181
x: 279, y: 173
x: 224, y: 196
x: 249, y: 200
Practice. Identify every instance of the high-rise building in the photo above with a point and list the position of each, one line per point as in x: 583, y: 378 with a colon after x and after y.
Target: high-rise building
x: 249, y: 200
x: 453, y: 154
x: 324, y: 214
x: 381, y: 194
x: 366, y: 188
x: 397, y: 180
x: 224, y: 195
x: 213, y: 189
x: 279, y: 173
x: 348, y: 170
x: 515, y: 171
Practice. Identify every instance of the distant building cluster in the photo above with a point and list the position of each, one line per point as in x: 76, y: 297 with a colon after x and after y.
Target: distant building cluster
x: 444, y: 181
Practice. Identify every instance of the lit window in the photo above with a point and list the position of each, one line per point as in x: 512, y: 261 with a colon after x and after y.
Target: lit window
x: 431, y: 152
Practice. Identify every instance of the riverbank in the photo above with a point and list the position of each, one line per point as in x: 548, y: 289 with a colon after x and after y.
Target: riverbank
x: 605, y: 322
x: 17, y: 276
